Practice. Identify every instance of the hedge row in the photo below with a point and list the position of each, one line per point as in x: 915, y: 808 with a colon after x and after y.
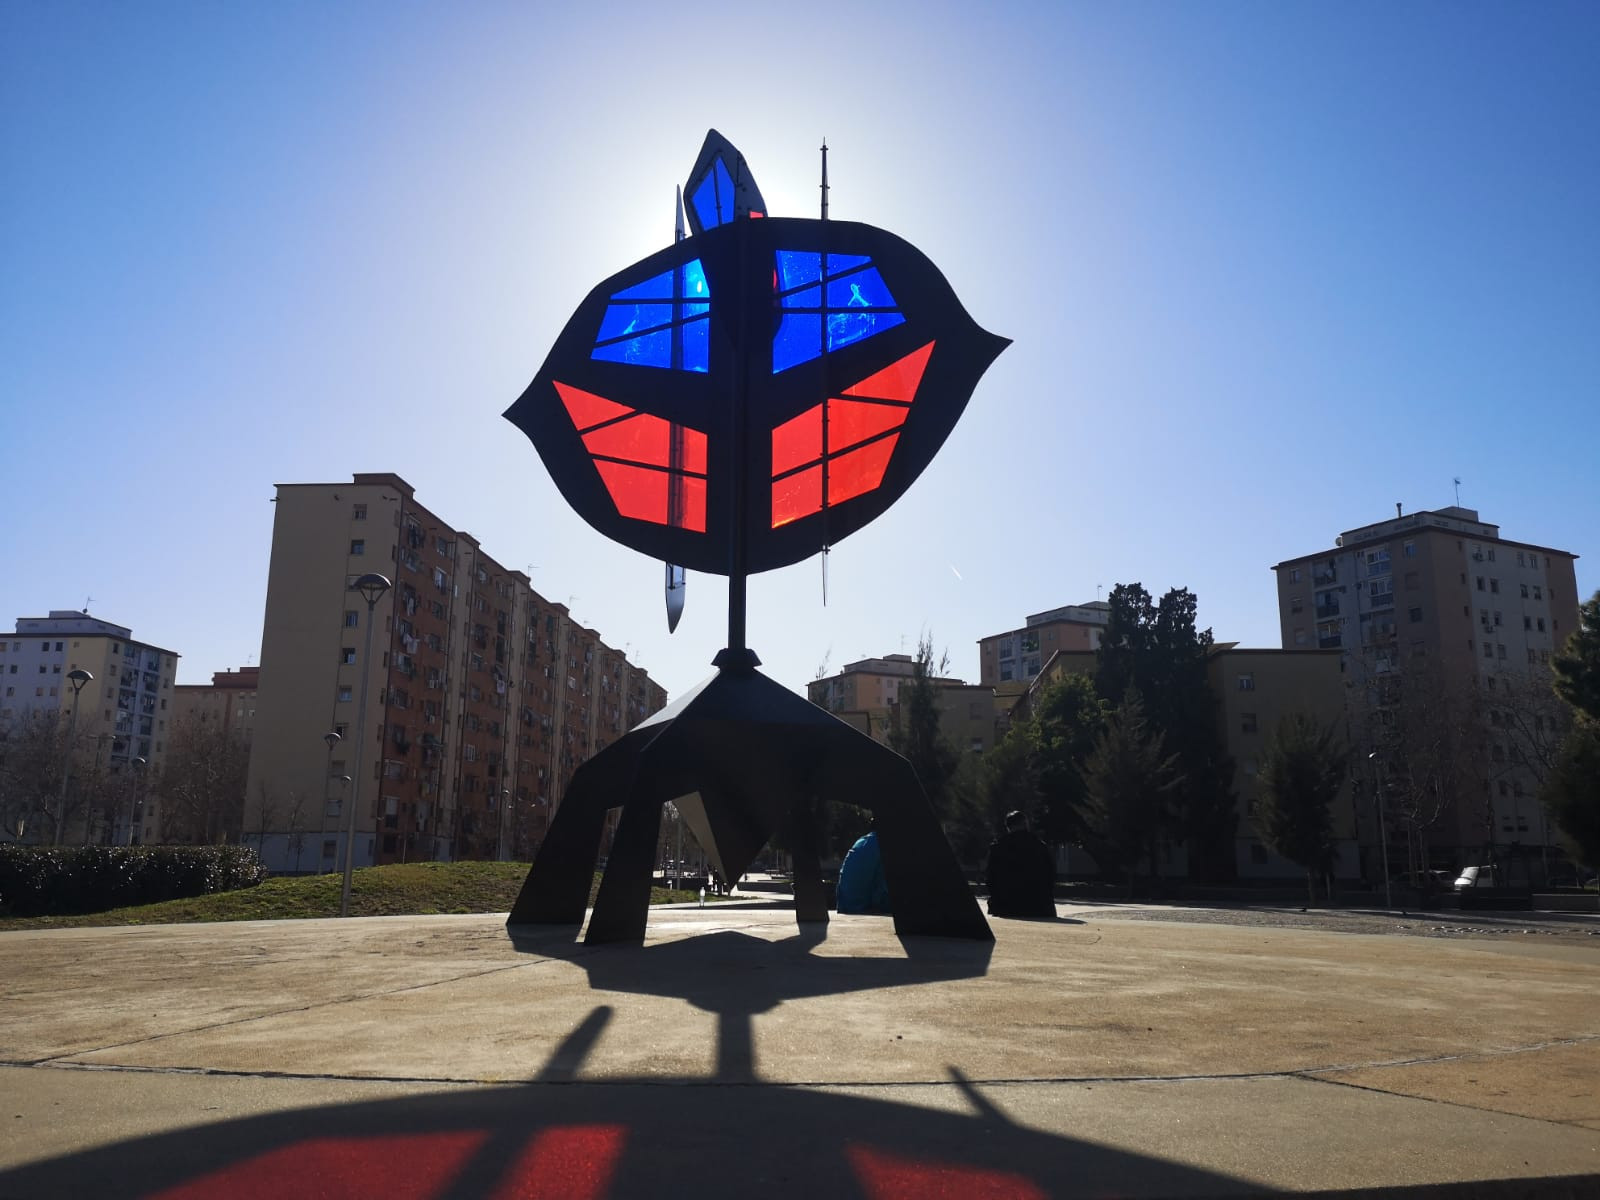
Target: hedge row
x: 59, y: 880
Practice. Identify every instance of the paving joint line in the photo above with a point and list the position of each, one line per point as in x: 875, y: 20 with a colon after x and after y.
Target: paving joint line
x: 60, y: 1059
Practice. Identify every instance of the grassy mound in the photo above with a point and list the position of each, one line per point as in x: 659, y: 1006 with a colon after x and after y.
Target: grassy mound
x: 408, y: 889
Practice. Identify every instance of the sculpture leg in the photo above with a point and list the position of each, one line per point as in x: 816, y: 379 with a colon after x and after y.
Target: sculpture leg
x: 810, y: 894
x: 556, y: 891
x: 623, y: 905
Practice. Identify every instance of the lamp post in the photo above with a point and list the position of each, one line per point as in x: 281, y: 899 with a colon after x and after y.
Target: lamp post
x: 1383, y: 827
x: 100, y: 741
x: 77, y: 677
x: 137, y: 766
x: 372, y: 586
x: 500, y: 834
x: 332, y: 737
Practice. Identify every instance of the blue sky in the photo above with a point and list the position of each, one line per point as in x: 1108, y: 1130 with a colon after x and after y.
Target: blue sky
x: 1268, y: 268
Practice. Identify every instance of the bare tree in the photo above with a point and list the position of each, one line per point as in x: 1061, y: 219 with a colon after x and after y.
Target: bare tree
x: 32, y: 754
x: 297, y: 833
x: 203, y: 784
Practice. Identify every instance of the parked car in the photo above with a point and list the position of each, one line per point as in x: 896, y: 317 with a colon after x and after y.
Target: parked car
x: 1472, y: 877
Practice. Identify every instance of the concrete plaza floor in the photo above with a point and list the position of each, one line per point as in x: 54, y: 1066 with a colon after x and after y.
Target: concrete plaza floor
x: 733, y: 1054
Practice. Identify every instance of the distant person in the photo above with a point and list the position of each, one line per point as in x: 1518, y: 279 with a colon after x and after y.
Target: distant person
x: 861, y: 884
x: 1021, y: 875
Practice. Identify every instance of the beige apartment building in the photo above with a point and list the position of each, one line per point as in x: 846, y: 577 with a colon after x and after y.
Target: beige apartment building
x: 482, y: 696
x: 1255, y: 690
x: 1018, y: 655
x: 867, y: 694
x: 228, y: 702
x: 1445, y: 631
x: 119, y: 720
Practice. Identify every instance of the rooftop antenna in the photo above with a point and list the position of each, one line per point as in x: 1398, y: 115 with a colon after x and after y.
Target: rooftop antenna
x: 825, y: 546
x: 87, y: 600
x: 1457, y: 480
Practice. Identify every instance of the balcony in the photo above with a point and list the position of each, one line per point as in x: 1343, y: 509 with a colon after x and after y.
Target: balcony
x: 1326, y: 611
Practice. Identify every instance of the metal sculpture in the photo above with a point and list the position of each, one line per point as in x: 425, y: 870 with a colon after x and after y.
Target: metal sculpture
x: 736, y: 403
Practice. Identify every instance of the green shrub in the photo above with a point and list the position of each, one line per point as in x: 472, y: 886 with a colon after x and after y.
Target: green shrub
x: 59, y: 880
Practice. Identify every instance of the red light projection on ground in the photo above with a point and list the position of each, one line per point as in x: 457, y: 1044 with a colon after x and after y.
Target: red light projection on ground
x: 654, y: 470
x: 402, y: 1167
x: 574, y: 1162
x: 566, y: 1164
x: 886, y: 1176
x: 882, y: 402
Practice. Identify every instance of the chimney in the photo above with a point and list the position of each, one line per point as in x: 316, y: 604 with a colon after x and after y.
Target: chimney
x: 1397, y: 508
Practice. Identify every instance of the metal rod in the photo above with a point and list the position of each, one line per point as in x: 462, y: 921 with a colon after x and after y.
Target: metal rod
x: 355, y: 787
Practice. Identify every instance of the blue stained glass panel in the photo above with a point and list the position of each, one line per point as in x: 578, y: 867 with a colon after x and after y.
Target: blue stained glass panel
x: 846, y: 262
x: 697, y: 345
x: 798, y: 340
x: 695, y: 310
x: 705, y: 202
x: 864, y: 289
x: 657, y: 287
x: 694, y: 281
x: 651, y: 350
x: 811, y: 297
x: 623, y: 319
x: 796, y: 268
x: 847, y: 327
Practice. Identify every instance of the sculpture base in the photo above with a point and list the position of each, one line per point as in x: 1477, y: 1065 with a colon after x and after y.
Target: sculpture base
x: 742, y: 758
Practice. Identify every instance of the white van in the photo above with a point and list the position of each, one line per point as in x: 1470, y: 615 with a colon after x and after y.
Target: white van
x: 1472, y: 877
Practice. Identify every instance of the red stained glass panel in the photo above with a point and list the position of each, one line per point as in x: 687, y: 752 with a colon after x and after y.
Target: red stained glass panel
x: 852, y: 421
x: 691, y: 502
x: 798, y: 496
x: 898, y: 381
x: 859, y: 471
x: 694, y: 450
x: 798, y: 441
x: 642, y: 438
x: 638, y: 492
x: 586, y: 409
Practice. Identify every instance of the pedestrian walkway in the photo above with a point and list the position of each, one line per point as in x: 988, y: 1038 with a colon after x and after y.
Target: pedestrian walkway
x: 732, y: 1055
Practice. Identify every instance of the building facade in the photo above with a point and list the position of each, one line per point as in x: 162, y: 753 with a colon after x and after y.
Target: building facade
x: 482, y: 696
x: 867, y: 695
x: 228, y: 702
x: 118, y: 721
x: 1018, y: 655
x: 1445, y: 631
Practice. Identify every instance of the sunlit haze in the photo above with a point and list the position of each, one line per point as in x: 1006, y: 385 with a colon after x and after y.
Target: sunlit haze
x: 1268, y: 271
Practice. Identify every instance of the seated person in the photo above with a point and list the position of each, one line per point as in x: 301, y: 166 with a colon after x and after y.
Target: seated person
x: 861, y: 884
x: 1021, y: 874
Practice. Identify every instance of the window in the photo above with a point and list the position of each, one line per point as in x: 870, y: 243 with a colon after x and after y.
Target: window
x: 1494, y: 585
x: 1527, y: 623
x: 1502, y: 650
x: 358, y: 512
x: 1297, y: 604
x: 347, y: 656
x: 1416, y: 615
x: 344, y: 695
x: 1498, y: 620
x: 1524, y: 591
x: 1488, y: 650
x: 1538, y: 592
x: 358, y: 546
x: 1480, y: 583
x: 1294, y: 574
x: 351, y: 618
x: 1491, y: 553
x: 1247, y: 722
x: 1540, y: 624
x: 1409, y: 549
x: 1299, y: 637
x: 1247, y: 682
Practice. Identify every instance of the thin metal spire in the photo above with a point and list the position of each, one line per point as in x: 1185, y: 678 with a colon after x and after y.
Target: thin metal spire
x: 824, y: 178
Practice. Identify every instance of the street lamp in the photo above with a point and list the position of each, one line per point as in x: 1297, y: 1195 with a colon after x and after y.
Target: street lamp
x: 137, y: 766
x: 1383, y: 827
x: 372, y: 586
x: 77, y: 677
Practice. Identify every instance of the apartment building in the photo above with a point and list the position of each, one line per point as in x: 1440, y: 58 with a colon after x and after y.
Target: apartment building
x: 1445, y: 630
x: 1019, y: 654
x: 228, y: 702
x: 482, y: 696
x: 867, y: 694
x: 122, y: 714
x: 1254, y: 689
